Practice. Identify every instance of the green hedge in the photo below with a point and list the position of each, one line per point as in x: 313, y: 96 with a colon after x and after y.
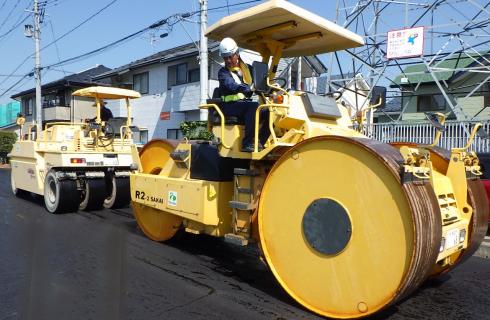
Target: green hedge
x: 7, y: 140
x: 196, y: 130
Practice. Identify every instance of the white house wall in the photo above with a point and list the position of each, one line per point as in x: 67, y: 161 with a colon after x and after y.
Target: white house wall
x: 181, y: 101
x: 185, y: 97
x: 157, y: 77
x: 146, y: 113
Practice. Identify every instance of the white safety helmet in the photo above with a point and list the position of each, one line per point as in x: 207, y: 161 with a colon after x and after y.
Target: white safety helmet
x: 227, y: 47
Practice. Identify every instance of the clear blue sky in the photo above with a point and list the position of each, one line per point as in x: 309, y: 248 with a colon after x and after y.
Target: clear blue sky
x: 125, y: 17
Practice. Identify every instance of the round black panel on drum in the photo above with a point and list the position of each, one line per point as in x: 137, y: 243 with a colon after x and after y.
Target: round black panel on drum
x: 327, y: 226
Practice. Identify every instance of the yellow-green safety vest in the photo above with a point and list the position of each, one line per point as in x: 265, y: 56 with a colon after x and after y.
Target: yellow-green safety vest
x: 239, y: 95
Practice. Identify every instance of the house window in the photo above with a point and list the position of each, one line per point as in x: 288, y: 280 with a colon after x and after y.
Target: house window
x: 28, y: 106
x: 140, y: 82
x: 194, y: 75
x: 53, y: 100
x: 177, y: 74
x: 174, y: 134
x: 434, y: 102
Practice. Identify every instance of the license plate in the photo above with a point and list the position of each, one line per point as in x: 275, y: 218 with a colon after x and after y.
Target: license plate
x: 452, y: 238
x: 110, y: 161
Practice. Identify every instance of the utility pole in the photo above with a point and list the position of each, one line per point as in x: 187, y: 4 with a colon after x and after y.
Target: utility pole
x: 37, y: 68
x: 298, y: 75
x: 372, y: 73
x: 203, y: 55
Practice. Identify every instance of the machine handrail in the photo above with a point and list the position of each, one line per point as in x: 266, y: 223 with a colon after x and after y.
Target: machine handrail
x: 442, y: 120
x: 29, y: 131
x: 470, y: 139
x: 270, y: 106
x: 127, y: 131
x: 222, y: 120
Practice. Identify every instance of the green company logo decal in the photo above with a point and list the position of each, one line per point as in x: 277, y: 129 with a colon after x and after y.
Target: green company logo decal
x: 172, y: 198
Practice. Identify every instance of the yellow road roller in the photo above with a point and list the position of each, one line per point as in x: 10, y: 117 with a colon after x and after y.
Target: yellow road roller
x: 347, y: 225
x: 77, y: 165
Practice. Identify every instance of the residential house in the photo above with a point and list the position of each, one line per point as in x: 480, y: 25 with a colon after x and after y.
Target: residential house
x: 458, y: 75
x: 56, y: 98
x: 170, y: 87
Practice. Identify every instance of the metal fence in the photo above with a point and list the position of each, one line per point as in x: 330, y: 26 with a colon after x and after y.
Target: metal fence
x: 455, y: 136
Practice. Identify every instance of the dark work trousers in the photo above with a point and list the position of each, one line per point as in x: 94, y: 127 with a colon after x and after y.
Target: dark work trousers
x: 245, y: 110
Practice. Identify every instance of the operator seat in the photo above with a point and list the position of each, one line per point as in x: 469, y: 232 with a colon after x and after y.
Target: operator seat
x: 214, y: 117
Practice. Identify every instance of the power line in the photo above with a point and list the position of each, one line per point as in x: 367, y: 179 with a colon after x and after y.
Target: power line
x: 157, y: 24
x: 76, y: 27
x: 170, y: 21
x: 19, y: 21
x: 231, y: 5
x: 15, y: 26
x: 80, y: 24
x: 12, y: 75
x: 3, y: 5
x: 56, y: 44
x: 16, y: 83
x: 9, y: 14
x: 55, y: 3
x: 228, y: 6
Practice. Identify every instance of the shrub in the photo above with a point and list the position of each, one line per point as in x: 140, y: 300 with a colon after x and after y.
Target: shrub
x: 7, y: 140
x: 196, y: 130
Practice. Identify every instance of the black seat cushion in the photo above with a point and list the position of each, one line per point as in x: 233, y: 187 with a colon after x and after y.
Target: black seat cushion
x: 229, y: 120
x: 214, y: 117
x: 214, y: 101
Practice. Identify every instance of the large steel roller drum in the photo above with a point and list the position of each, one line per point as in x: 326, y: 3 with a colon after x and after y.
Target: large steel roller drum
x: 477, y: 199
x: 157, y: 225
x: 340, y: 232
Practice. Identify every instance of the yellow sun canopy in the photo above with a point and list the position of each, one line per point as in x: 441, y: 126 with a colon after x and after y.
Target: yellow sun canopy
x: 107, y: 93
x: 303, y: 33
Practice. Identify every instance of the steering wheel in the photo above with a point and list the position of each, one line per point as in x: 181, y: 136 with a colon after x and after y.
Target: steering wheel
x: 105, y: 136
x: 283, y: 80
x: 333, y: 93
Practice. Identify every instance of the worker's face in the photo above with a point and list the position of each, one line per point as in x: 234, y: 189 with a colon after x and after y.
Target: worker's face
x: 231, y: 61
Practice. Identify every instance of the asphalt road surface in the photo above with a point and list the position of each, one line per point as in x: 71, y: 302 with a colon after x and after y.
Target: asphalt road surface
x: 98, y: 265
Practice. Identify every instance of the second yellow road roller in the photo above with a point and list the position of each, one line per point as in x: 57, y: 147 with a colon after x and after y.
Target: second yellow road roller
x: 77, y: 165
x: 347, y: 225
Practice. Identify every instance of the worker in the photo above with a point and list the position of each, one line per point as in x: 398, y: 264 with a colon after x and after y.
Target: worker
x: 105, y: 113
x: 236, y: 88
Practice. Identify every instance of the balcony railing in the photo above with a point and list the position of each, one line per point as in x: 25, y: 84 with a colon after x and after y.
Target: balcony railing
x: 56, y: 113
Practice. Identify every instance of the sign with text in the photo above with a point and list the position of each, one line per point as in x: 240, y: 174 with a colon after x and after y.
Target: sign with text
x: 405, y: 43
x: 165, y: 115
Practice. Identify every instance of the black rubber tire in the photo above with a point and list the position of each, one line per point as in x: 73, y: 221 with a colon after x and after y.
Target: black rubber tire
x: 92, y: 197
x: 16, y: 191
x: 118, y: 192
x: 60, y: 195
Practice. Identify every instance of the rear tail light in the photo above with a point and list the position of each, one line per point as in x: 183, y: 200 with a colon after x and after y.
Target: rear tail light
x: 77, y: 160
